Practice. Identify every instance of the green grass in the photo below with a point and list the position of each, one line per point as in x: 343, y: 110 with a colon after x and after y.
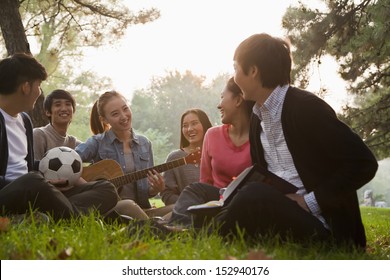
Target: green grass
x: 377, y: 225
x: 88, y: 239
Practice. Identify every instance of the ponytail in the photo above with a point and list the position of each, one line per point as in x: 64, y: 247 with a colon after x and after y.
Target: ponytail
x: 96, y: 125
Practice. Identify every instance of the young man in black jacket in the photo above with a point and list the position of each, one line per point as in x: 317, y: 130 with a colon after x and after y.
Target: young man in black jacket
x: 22, y: 188
x: 297, y: 136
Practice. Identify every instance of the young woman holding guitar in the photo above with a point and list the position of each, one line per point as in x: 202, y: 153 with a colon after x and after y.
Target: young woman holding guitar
x: 115, y: 139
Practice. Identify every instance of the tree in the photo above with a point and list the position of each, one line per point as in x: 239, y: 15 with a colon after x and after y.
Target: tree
x: 61, y: 28
x: 380, y: 183
x: 16, y: 41
x: 357, y: 34
x: 160, y: 144
x: 12, y: 27
x: 161, y: 105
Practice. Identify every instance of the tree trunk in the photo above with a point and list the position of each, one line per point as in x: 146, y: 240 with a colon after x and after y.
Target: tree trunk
x: 15, y: 42
x: 12, y: 27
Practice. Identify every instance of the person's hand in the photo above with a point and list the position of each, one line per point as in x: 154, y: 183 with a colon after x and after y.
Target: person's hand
x: 60, y: 184
x: 298, y: 199
x: 80, y: 182
x: 156, y: 181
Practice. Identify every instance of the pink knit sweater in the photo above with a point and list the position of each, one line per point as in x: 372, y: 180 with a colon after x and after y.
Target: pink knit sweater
x: 221, y: 159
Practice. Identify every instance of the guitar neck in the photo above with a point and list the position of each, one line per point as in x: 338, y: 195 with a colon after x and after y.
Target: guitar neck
x: 137, y: 175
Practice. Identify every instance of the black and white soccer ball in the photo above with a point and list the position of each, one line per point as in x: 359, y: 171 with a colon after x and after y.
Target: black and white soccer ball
x: 61, y: 163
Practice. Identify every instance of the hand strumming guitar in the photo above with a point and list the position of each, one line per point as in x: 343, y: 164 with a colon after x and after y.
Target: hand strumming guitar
x: 156, y: 181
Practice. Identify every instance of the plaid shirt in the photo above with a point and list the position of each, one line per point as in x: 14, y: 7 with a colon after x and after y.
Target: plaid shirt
x: 276, y: 153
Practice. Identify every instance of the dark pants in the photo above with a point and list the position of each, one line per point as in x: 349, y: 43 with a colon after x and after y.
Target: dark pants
x: 257, y: 208
x: 32, y: 191
x: 195, y: 193
x: 260, y: 209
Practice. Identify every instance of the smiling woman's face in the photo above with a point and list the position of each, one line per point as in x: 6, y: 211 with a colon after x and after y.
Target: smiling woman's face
x: 117, y: 114
x: 192, y: 129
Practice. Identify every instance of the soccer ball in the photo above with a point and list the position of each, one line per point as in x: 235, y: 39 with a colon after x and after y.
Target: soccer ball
x: 61, y: 163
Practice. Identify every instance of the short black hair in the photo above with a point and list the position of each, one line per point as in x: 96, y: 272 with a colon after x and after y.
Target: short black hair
x: 17, y: 69
x: 271, y: 55
x: 58, y: 94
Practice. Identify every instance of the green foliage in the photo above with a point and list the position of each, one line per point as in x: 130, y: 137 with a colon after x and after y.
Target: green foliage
x: 357, y: 34
x: 161, y: 105
x: 87, y: 238
x: 160, y: 144
x: 380, y: 184
x: 62, y: 29
x: 371, y: 120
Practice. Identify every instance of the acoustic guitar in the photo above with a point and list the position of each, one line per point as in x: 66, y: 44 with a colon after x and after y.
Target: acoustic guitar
x: 110, y: 170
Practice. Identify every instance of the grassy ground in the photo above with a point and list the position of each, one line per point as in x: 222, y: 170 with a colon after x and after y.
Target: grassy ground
x: 88, y: 239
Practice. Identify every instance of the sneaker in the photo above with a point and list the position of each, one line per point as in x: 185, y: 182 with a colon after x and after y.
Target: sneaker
x: 159, y: 220
x: 115, y: 217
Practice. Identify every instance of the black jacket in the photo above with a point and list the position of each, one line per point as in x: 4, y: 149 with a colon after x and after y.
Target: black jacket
x: 331, y: 160
x: 4, y: 147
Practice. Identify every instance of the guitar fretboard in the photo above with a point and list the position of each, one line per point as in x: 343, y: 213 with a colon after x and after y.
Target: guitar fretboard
x: 137, y: 175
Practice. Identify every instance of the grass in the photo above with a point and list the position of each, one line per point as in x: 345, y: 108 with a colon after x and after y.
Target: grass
x: 88, y: 239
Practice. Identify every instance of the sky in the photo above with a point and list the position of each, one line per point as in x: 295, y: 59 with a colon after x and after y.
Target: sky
x: 200, y: 36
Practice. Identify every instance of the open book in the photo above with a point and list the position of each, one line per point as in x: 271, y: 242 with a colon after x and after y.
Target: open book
x: 254, y: 173
x: 245, y: 176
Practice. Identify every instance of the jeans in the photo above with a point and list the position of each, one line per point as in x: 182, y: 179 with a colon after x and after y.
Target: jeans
x: 193, y: 194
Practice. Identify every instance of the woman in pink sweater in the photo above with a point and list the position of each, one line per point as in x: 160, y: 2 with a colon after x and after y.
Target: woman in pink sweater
x: 225, y: 154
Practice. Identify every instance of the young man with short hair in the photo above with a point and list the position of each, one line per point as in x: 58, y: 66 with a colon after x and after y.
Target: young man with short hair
x: 21, y: 188
x: 297, y: 136
x: 59, y: 107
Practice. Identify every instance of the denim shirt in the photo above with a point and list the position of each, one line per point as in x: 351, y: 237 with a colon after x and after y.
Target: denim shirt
x: 107, y: 146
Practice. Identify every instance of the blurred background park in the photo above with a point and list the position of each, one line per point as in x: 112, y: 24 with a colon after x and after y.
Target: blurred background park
x: 168, y: 56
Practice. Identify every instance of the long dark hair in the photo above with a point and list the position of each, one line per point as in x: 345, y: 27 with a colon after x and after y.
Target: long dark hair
x: 235, y: 89
x: 204, y: 120
x: 97, y: 126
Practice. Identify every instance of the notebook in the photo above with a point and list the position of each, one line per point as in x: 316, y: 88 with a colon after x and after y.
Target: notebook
x: 245, y: 176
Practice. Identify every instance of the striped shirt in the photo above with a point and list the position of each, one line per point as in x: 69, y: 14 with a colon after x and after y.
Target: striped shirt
x: 276, y: 153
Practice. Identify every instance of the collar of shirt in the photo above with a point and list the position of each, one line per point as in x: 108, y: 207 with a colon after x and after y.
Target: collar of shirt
x: 111, y: 136
x: 273, y: 103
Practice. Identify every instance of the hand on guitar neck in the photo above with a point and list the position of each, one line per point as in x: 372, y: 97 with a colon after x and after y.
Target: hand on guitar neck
x: 109, y: 169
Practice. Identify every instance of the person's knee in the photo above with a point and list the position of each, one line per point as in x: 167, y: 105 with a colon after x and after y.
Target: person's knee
x: 108, y: 188
x: 130, y: 208
x: 35, y: 182
x: 188, y: 192
x: 254, y: 192
x: 30, y: 178
x: 192, y: 188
